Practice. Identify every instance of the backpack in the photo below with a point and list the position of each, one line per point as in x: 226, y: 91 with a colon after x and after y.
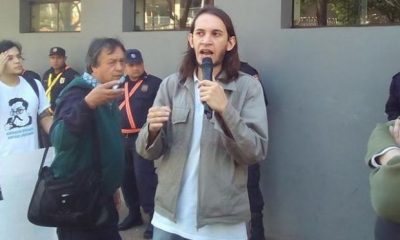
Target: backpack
x: 43, y: 137
x: 34, y: 86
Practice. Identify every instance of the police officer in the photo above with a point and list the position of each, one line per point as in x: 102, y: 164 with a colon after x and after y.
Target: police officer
x: 58, y: 76
x: 253, y: 180
x: 140, y: 181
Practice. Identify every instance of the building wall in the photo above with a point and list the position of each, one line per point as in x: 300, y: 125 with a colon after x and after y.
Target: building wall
x: 327, y: 88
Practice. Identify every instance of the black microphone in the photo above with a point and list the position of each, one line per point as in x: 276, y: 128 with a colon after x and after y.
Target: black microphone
x: 207, y: 68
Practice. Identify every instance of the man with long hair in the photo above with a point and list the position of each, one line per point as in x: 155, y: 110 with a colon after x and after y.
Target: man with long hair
x: 202, y: 163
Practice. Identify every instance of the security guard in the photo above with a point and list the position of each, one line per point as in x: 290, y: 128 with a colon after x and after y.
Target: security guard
x: 58, y: 76
x: 253, y: 181
x: 140, y: 181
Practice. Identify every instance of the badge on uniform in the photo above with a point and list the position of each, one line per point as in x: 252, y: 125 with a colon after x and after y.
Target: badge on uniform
x: 144, y: 88
x: 62, y: 80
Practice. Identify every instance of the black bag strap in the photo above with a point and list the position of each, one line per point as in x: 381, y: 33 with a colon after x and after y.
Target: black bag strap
x: 34, y: 86
x: 43, y: 159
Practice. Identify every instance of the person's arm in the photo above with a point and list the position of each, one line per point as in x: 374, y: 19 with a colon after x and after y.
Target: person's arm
x: 117, y: 199
x: 76, y: 107
x: 152, y: 138
x: 3, y: 61
x: 46, y: 120
x: 389, y: 155
x: 383, y: 144
x: 392, y: 107
x: 74, y: 111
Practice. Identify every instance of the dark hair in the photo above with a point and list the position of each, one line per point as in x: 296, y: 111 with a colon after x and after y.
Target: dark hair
x: 95, y: 48
x: 230, y: 63
x: 7, y: 44
x: 15, y: 100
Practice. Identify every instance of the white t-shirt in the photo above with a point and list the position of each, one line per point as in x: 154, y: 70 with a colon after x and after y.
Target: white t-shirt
x: 186, y: 212
x: 19, y: 107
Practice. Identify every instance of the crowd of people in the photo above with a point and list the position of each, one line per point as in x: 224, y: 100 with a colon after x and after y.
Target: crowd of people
x: 192, y: 174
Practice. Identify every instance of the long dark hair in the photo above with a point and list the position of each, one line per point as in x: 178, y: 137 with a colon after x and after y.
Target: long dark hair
x: 230, y: 63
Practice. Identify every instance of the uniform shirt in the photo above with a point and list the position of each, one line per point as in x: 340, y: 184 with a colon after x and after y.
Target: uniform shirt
x: 19, y: 108
x: 246, y: 68
x: 61, y: 81
x: 141, y: 100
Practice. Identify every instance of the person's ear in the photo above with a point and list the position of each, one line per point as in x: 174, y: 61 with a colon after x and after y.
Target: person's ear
x: 231, y: 43
x: 190, y: 40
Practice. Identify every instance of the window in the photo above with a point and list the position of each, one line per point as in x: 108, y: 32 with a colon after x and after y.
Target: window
x: 313, y: 13
x: 51, y: 16
x: 158, y: 15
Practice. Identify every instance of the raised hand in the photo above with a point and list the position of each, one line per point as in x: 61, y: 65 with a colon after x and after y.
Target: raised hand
x: 102, y: 94
x: 157, y: 116
x: 3, y: 60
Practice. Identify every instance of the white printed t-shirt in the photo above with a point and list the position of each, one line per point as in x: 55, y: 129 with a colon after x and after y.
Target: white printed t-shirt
x: 19, y: 107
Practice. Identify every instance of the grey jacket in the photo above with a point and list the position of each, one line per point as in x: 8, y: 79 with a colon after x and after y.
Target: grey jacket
x: 229, y: 143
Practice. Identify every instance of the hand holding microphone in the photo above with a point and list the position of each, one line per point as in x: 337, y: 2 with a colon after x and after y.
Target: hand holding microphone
x: 211, y: 93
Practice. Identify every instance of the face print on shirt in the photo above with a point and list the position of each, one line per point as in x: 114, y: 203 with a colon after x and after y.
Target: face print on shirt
x: 19, y: 116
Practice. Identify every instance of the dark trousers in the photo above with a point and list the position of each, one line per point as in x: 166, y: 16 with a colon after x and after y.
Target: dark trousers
x: 108, y: 231
x: 386, y: 230
x: 253, y: 188
x: 140, y: 180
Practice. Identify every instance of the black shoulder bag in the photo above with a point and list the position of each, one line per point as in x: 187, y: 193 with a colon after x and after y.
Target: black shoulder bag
x: 74, y: 201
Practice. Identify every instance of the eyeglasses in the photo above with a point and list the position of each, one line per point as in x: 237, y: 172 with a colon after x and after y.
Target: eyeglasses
x: 17, y: 111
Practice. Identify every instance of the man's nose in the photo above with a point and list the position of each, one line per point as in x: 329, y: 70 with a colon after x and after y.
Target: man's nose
x: 206, y: 39
x: 120, y: 66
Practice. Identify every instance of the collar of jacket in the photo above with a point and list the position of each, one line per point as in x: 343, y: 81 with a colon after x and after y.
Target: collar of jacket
x: 90, y: 79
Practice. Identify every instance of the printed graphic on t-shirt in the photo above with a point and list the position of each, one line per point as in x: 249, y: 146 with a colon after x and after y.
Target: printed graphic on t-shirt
x: 19, y: 122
